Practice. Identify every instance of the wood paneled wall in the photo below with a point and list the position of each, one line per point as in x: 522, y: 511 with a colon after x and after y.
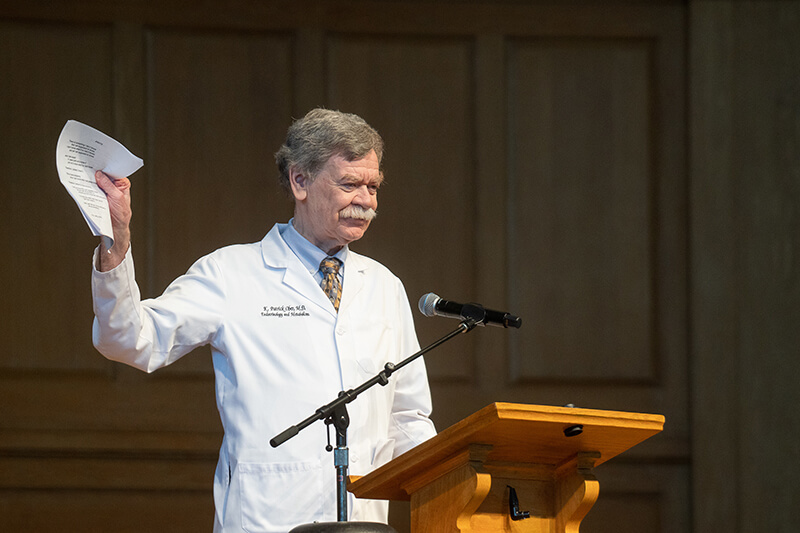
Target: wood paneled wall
x: 536, y: 162
x: 745, y: 167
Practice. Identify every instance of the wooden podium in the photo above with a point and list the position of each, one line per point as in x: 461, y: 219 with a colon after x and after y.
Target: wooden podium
x: 461, y: 480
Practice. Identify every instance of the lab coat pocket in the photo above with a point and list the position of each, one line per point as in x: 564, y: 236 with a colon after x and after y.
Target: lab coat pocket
x: 279, y: 496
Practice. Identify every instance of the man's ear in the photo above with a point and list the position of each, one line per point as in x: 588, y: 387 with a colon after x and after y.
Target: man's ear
x: 299, y: 182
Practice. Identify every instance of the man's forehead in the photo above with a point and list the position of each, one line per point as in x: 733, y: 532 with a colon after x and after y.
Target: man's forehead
x: 364, y: 168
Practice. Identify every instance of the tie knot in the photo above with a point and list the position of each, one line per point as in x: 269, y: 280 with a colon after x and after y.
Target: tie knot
x: 330, y: 265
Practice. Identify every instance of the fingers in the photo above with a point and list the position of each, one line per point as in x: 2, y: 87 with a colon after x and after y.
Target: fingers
x: 112, y: 188
x: 119, y: 199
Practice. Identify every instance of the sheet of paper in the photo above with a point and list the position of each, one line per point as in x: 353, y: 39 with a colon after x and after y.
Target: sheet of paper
x: 82, y: 150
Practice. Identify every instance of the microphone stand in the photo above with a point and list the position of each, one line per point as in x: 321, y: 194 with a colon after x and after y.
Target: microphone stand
x: 335, y: 412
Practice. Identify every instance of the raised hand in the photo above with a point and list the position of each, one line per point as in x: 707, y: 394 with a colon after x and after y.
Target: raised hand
x: 118, y: 193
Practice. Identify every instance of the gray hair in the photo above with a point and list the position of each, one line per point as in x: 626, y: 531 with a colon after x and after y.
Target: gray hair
x: 312, y: 140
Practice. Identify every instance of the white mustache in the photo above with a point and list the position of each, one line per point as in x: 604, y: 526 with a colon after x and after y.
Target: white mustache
x: 358, y: 212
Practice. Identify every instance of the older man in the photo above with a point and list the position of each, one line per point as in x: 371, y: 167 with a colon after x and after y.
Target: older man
x: 291, y: 321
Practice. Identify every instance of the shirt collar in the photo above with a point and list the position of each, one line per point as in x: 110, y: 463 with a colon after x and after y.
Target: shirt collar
x: 307, y: 253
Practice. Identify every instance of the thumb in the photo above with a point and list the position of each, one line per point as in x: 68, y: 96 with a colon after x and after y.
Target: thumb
x: 112, y: 188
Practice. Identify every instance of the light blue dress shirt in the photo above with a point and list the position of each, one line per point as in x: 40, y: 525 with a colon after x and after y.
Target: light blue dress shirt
x: 310, y: 255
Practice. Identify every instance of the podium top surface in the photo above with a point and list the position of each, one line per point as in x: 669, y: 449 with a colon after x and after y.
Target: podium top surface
x: 518, y: 434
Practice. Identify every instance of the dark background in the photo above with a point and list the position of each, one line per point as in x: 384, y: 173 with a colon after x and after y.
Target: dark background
x: 623, y: 175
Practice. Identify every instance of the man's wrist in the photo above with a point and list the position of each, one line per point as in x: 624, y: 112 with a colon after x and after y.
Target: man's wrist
x: 111, y: 258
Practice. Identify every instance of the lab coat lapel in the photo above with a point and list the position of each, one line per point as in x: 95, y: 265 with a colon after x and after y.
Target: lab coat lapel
x: 277, y: 255
x: 354, y: 275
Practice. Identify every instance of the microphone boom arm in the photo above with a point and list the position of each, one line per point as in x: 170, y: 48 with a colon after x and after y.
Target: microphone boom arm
x: 335, y: 412
x: 382, y: 378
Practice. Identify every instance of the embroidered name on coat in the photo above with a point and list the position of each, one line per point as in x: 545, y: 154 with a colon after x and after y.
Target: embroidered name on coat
x: 283, y: 311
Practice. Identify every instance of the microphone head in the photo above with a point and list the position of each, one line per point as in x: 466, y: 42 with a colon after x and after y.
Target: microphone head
x: 427, y: 304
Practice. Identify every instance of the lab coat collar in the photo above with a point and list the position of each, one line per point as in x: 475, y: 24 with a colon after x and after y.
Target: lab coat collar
x: 277, y: 255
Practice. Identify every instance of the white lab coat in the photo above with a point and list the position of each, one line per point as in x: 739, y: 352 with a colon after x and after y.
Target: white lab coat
x: 280, y: 351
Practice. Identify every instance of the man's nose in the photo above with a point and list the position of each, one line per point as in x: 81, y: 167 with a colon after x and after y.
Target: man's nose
x: 365, y: 198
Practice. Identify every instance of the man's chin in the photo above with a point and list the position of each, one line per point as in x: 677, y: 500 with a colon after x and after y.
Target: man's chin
x: 355, y: 228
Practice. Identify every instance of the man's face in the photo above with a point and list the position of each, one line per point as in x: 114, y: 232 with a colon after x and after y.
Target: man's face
x: 334, y: 209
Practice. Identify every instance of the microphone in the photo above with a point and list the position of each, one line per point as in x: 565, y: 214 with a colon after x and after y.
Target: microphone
x: 430, y: 304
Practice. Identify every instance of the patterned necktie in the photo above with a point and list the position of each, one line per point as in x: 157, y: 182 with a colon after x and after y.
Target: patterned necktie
x: 330, y: 280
